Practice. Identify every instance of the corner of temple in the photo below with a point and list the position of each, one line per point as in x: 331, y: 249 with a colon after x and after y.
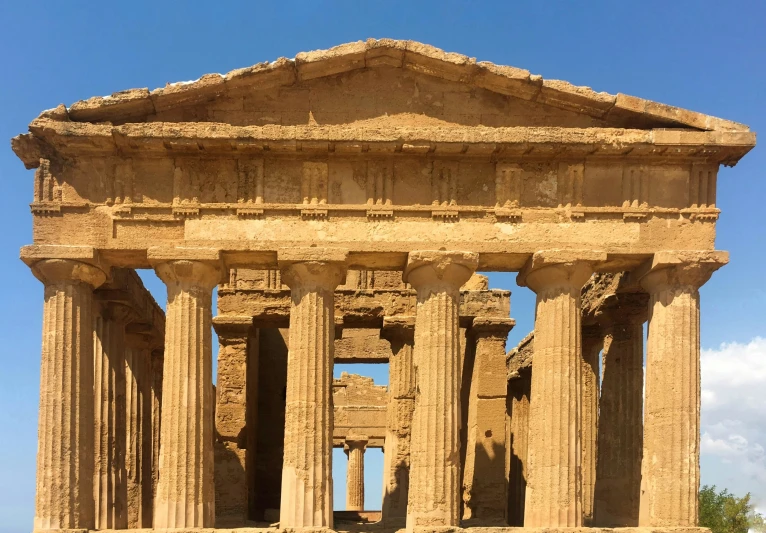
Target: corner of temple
x: 51, y: 263
x: 692, y: 268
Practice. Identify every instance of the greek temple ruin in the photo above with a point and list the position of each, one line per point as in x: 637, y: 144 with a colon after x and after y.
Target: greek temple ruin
x: 343, y: 205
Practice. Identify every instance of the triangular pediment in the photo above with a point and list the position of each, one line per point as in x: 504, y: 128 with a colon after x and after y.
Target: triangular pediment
x: 385, y: 83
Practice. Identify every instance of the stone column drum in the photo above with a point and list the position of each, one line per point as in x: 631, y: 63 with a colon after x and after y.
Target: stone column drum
x: 312, y: 276
x: 620, y: 430
x: 64, y: 494
x: 485, y: 485
x: 554, y: 482
x: 354, y: 448
x: 400, y: 332
x: 185, y: 493
x: 434, y: 496
x: 670, y: 464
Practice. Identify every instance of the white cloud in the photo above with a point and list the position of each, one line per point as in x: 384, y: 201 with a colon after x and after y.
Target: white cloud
x: 734, y: 418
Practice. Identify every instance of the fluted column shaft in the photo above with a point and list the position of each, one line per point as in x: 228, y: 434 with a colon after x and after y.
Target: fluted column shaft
x: 354, y: 449
x: 185, y: 493
x: 620, y: 431
x: 434, y: 496
x: 670, y: 465
x: 110, y: 483
x: 485, y: 484
x: 589, y: 416
x: 157, y: 364
x: 307, y: 469
x: 138, y: 414
x: 519, y: 391
x: 64, y: 495
x: 554, y: 482
x: 400, y: 332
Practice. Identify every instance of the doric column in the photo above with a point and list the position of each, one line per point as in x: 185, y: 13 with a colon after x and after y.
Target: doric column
x: 354, y: 448
x: 110, y: 483
x: 185, y: 492
x: 400, y: 332
x: 138, y: 403
x: 484, y: 478
x: 591, y: 348
x: 312, y: 275
x: 554, y: 482
x: 158, y: 361
x: 231, y: 484
x: 670, y: 464
x: 64, y: 495
x: 620, y: 430
x: 519, y: 392
x: 434, y: 496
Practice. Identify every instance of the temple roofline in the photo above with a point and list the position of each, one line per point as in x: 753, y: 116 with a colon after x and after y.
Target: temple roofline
x: 511, y: 81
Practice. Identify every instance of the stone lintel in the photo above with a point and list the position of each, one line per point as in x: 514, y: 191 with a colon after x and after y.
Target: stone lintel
x: 288, y: 256
x: 164, y: 254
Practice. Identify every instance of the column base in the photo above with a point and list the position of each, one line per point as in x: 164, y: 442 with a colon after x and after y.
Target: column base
x: 379, y: 528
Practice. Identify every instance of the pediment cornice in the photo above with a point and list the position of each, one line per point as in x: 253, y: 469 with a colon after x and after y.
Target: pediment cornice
x: 71, y: 139
x: 134, y: 105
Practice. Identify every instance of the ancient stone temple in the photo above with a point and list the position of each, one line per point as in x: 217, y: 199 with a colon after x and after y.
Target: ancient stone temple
x: 342, y: 203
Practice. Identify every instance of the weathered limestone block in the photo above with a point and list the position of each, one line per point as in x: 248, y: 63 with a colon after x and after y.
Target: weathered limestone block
x: 231, y: 447
x: 110, y: 481
x: 589, y: 416
x: 670, y: 465
x: 554, y: 481
x: 354, y: 448
x: 434, y: 496
x: 312, y: 276
x: 64, y: 490
x: 620, y: 430
x: 185, y: 492
x: 359, y: 408
x: 400, y: 332
x: 484, y: 476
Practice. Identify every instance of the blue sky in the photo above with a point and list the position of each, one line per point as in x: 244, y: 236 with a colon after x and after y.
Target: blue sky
x: 703, y: 55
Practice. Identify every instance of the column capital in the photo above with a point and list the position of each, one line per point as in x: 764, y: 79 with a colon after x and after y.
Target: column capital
x: 353, y: 442
x: 562, y: 268
x: 437, y: 267
x: 196, y: 267
x: 485, y: 326
x: 623, y: 309
x: 50, y: 271
x: 323, y: 268
x: 398, y: 327
x: 681, y: 268
x: 232, y: 328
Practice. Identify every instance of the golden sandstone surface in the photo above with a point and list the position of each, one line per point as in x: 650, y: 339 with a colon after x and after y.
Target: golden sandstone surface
x: 342, y: 202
